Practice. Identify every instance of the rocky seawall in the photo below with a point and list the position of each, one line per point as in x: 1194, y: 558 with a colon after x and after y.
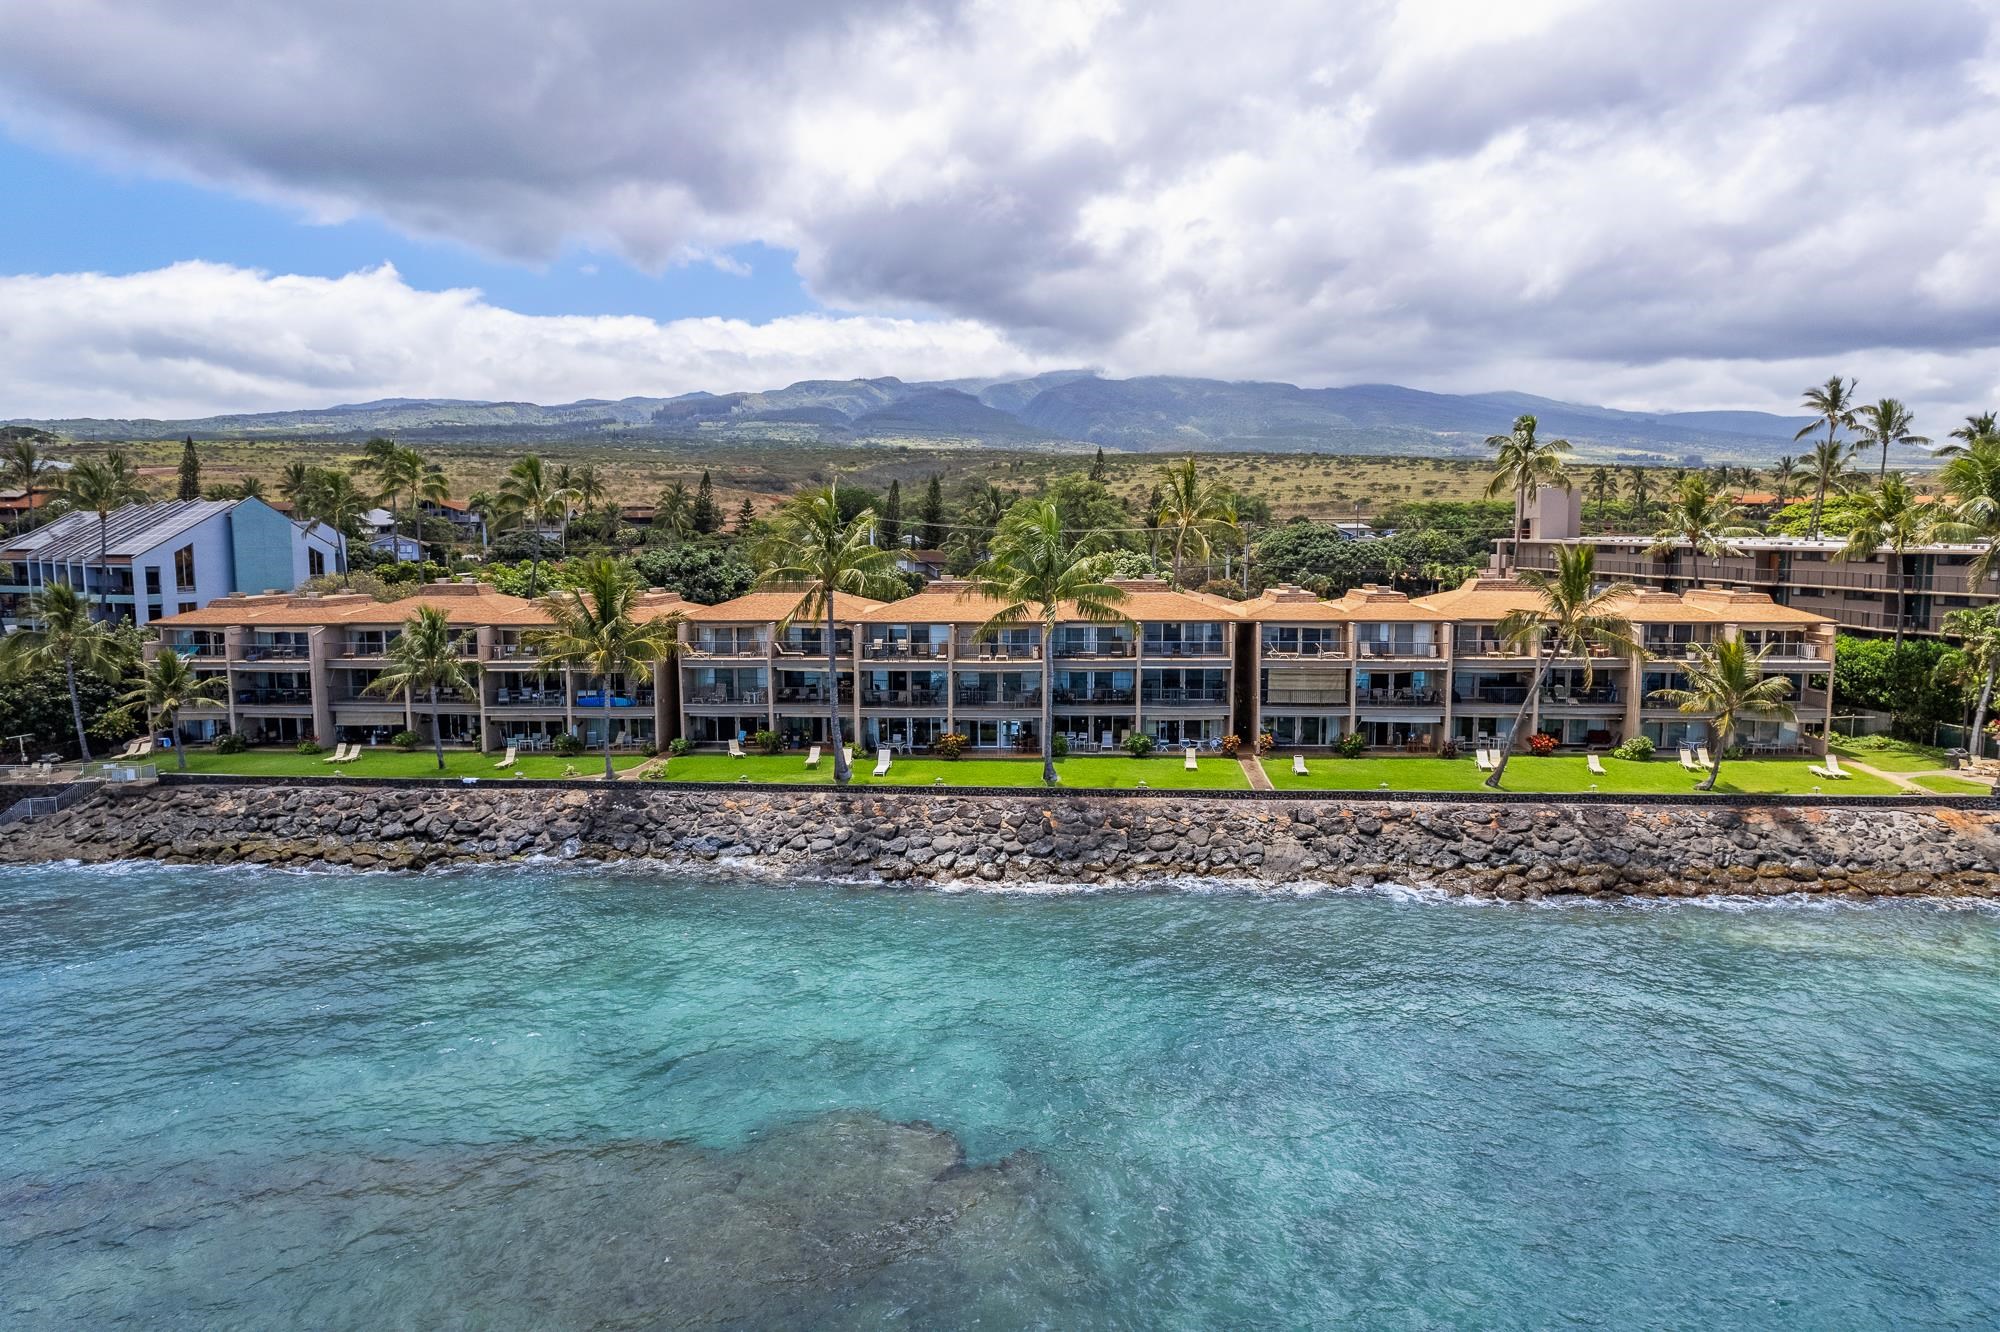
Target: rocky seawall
x: 1510, y: 851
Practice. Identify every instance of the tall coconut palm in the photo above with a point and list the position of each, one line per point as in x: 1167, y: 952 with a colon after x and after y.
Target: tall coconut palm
x: 1981, y: 425
x: 1883, y: 423
x: 333, y: 500
x: 101, y: 485
x: 592, y: 629
x: 1573, y: 615
x: 1040, y: 576
x: 1785, y: 477
x: 812, y: 552
x: 23, y: 465
x: 296, y: 481
x: 484, y: 505
x: 1978, y: 632
x: 1826, y: 470
x: 1701, y: 519
x: 1832, y: 405
x: 1192, y: 509
x: 531, y: 497
x: 1604, y: 489
x: 168, y: 686
x: 426, y: 657
x: 1640, y: 488
x: 434, y: 488
x: 1891, y: 519
x: 1726, y: 683
x: 1523, y: 466
x: 1973, y: 478
x: 57, y: 631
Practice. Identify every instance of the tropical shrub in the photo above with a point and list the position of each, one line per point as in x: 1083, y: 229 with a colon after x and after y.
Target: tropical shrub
x: 949, y: 745
x: 1138, y: 744
x: 1638, y: 748
x: 311, y: 747
x: 680, y: 746
x: 1351, y: 745
x: 231, y: 743
x: 1266, y: 743
x: 1735, y: 753
x: 565, y: 743
x: 406, y: 740
x: 768, y: 741
x: 1230, y: 744
x: 1059, y: 746
x: 1542, y: 743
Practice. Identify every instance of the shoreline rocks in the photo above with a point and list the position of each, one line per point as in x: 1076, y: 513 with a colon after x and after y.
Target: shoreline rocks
x: 1506, y: 851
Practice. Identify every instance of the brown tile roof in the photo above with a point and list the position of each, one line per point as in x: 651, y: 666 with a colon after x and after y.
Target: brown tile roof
x: 770, y: 607
x: 1292, y: 605
x: 949, y: 601
x: 1370, y: 604
x: 1488, y: 598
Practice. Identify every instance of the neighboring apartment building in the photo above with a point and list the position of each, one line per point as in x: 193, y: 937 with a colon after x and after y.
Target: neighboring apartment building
x: 299, y: 667
x: 1410, y: 673
x: 167, y: 557
x: 924, y: 670
x: 1794, y: 571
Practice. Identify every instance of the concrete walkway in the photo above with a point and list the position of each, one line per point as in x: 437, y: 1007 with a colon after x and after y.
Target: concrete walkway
x: 1259, y: 779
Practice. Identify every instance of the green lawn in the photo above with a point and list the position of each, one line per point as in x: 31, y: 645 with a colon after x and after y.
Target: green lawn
x: 1560, y: 774
x: 1879, y: 751
x: 1944, y: 785
x: 1163, y: 773
x: 391, y: 763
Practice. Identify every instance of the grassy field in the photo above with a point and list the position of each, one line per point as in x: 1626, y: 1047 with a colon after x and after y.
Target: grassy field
x: 1118, y: 773
x: 1944, y: 785
x: 1879, y: 751
x: 1562, y: 774
x: 391, y: 763
x: 1296, y: 484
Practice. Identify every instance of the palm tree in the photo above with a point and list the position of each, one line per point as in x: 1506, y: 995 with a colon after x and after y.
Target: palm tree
x: 1785, y: 476
x: 589, y: 487
x: 56, y: 630
x: 1604, y: 486
x: 1973, y: 478
x: 592, y: 628
x: 334, y: 500
x: 1525, y: 464
x: 1884, y: 423
x: 811, y: 551
x: 673, y: 513
x: 434, y: 487
x: 1725, y: 683
x: 1703, y: 520
x: 296, y: 481
x: 1574, y: 616
x: 1978, y: 632
x: 1891, y: 520
x: 22, y: 464
x: 1191, y: 509
x: 531, y: 497
x: 1826, y: 469
x: 1039, y: 575
x: 101, y: 485
x: 250, y: 487
x: 1831, y: 404
x: 427, y: 656
x: 1982, y: 425
x: 1641, y: 490
x: 486, y: 506
x: 168, y: 685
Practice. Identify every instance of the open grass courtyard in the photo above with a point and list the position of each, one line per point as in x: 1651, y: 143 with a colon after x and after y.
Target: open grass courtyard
x: 1890, y: 755
x: 1564, y: 774
x: 1097, y: 772
x: 391, y: 763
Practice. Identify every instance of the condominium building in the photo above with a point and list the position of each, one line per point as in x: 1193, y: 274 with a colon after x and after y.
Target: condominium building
x: 150, y: 561
x: 301, y: 666
x: 1808, y: 574
x: 1410, y: 673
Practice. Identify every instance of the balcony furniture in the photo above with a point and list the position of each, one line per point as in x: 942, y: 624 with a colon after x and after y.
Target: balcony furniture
x: 513, y: 752
x: 883, y: 758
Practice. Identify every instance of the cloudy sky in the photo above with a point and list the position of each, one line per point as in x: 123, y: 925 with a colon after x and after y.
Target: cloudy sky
x: 1702, y: 203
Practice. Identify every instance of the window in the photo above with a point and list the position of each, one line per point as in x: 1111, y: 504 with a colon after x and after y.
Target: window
x: 187, y: 606
x: 184, y: 569
x: 152, y: 580
x: 315, y: 563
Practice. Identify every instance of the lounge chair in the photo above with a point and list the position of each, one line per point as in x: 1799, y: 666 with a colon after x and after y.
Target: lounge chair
x: 1596, y: 768
x: 1701, y: 757
x: 812, y: 757
x: 883, y: 757
x: 736, y: 750
x: 1687, y: 760
x: 339, y: 755
x: 1833, y: 766
x: 1188, y: 752
x: 1299, y: 766
x: 144, y: 750
x: 131, y: 748
x: 507, y: 759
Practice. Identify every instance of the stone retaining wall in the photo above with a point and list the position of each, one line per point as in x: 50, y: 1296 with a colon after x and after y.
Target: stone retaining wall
x: 1506, y: 850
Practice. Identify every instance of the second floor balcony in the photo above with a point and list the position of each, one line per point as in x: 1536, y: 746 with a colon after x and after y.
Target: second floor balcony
x: 281, y: 650
x: 902, y: 696
x: 1183, y: 696
x: 999, y: 698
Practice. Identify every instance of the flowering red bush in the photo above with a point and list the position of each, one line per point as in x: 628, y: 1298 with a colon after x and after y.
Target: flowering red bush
x: 1541, y: 742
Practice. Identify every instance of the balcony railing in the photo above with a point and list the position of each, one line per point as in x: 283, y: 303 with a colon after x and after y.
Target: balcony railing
x: 1484, y: 647
x: 1107, y: 696
x: 1582, y: 698
x: 905, y: 698
x: 1397, y: 648
x: 1183, y: 698
x: 274, y: 698
x: 1115, y: 648
x: 999, y: 698
x: 275, y: 652
x: 1305, y: 651
x: 1492, y: 695
x: 1396, y: 698
x: 513, y: 652
x: 1208, y: 647
x: 1286, y: 698
x: 728, y: 647
x: 714, y: 697
x: 881, y: 649
x: 974, y: 651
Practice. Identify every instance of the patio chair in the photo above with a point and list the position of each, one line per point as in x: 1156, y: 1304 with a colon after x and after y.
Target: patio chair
x: 1483, y: 757
x: 339, y: 753
x: 1833, y: 767
x: 145, y: 748
x: 1188, y: 753
x: 1701, y: 756
x: 507, y: 759
x: 1596, y: 768
x: 812, y: 757
x: 1828, y: 773
x: 736, y: 748
x: 130, y: 746
x: 883, y: 758
x: 1299, y: 766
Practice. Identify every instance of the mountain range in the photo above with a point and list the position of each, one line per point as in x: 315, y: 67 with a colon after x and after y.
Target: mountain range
x: 1062, y: 408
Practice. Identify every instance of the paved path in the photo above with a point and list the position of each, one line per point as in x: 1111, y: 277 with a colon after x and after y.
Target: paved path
x: 1259, y: 779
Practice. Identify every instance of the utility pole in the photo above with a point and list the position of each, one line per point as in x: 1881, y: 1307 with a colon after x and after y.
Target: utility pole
x: 1246, y: 561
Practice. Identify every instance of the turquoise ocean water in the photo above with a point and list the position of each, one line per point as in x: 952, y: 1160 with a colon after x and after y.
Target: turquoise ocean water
x: 546, y: 1097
